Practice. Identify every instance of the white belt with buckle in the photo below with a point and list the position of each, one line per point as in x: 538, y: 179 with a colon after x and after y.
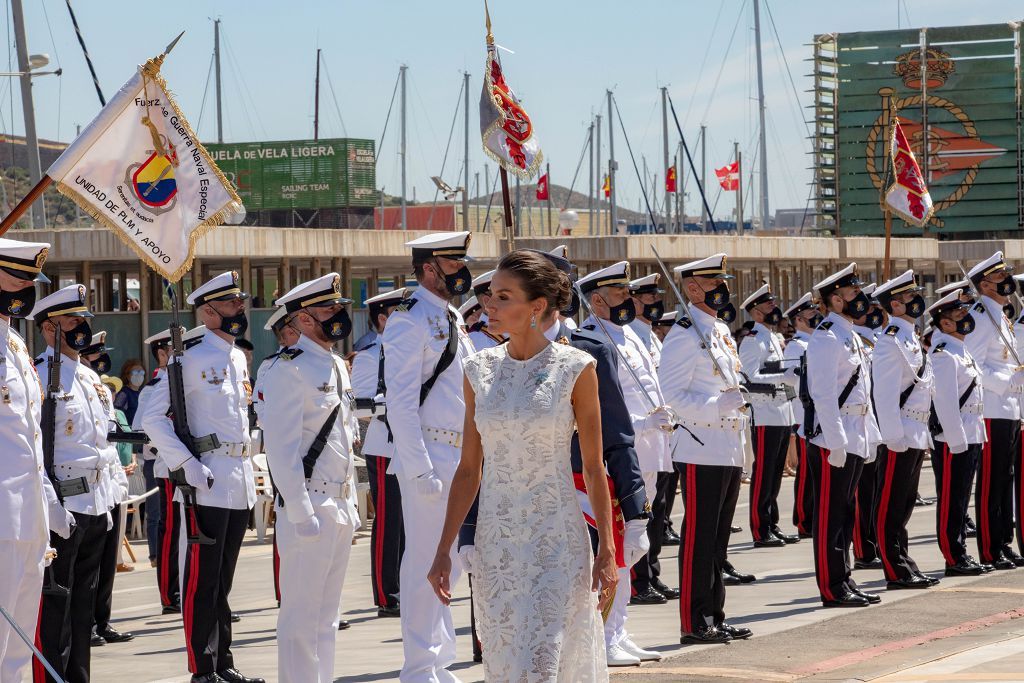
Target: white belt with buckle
x: 92, y: 474
x: 972, y: 409
x: 725, y: 424
x: 916, y: 415
x: 856, y: 409
x: 331, y: 489
x: 232, y: 450
x: 445, y: 436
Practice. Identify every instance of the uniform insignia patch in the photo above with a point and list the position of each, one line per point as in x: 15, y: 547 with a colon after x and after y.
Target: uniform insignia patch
x: 290, y: 354
x: 153, y: 382
x: 406, y: 305
x: 940, y: 347
x: 892, y: 330
x: 980, y: 307
x: 825, y: 325
x: 684, y: 323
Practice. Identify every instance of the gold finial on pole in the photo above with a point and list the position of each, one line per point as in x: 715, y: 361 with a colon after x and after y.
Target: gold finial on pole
x: 490, y: 36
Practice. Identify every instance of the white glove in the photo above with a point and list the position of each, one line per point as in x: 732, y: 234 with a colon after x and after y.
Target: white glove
x: 467, y: 555
x: 791, y: 378
x: 635, y: 542
x: 729, y: 401
x: 1017, y: 380
x: 197, y: 474
x: 429, y: 485
x: 897, y: 445
x: 660, y: 419
x: 308, y: 529
x: 837, y: 458
x: 958, y: 448
x: 62, y: 524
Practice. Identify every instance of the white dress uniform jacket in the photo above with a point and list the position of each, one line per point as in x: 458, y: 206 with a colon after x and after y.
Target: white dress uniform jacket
x: 365, y: 370
x: 302, y: 389
x: 996, y: 363
x: 895, y: 364
x: 149, y: 451
x: 649, y: 339
x: 955, y: 369
x: 691, y: 385
x: 651, y: 444
x: 217, y: 393
x: 834, y: 353
x: 427, y: 437
x: 757, y: 348
x: 481, y: 341
x: 80, y: 449
x: 794, y: 351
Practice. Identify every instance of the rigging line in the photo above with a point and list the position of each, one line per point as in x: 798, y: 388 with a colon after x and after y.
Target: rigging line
x: 334, y: 97
x: 387, y: 118
x: 689, y: 159
x: 789, y: 71
x: 206, y: 92
x: 241, y: 84
x: 49, y: 29
x: 85, y: 51
x: 786, y: 174
x: 703, y: 62
x: 632, y: 158
x: 725, y: 59
x: 447, y: 148
x: 490, y: 197
x: 579, y: 165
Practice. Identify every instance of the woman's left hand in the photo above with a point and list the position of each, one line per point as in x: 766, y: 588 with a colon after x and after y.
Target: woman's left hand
x: 440, y: 575
x: 605, y: 576
x: 130, y: 469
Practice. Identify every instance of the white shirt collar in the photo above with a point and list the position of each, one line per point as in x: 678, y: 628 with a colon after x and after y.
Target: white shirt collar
x: 310, y: 346
x: 428, y: 296
x: 552, y: 331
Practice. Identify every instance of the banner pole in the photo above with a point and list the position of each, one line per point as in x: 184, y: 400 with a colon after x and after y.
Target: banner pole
x: 23, y: 206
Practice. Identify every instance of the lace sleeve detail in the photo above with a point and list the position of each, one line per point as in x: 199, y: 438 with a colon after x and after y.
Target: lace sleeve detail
x: 575, y: 362
x: 479, y: 367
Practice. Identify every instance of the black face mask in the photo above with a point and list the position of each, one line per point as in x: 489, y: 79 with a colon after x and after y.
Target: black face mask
x: 1009, y: 310
x: 18, y: 304
x: 965, y: 325
x: 338, y: 326
x: 79, y: 337
x: 915, y: 309
x: 857, y: 307
x: 653, y: 312
x: 459, y: 282
x: 815, y: 321
x: 623, y: 314
x: 574, y: 306
x: 874, y: 320
x: 717, y: 298
x: 235, y: 325
x: 1006, y: 287
x: 773, y: 317
x: 102, y: 364
x: 727, y: 314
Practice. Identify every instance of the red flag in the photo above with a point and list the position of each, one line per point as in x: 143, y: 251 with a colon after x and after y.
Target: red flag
x: 542, y: 187
x: 670, y: 179
x: 729, y: 176
x: 607, y: 187
x: 908, y: 196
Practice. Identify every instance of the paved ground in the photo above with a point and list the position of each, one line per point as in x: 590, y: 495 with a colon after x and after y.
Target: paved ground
x: 964, y: 630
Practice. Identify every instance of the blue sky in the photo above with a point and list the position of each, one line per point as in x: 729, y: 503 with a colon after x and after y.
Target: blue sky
x: 567, y: 53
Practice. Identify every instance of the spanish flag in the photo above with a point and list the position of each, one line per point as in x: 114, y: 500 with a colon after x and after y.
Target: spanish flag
x: 670, y: 179
x: 607, y: 187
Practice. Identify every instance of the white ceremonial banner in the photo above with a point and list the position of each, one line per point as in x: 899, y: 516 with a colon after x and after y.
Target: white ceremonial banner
x: 139, y: 169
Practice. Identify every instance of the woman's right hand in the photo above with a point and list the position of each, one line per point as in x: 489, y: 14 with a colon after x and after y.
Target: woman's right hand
x: 605, y: 576
x: 439, y: 577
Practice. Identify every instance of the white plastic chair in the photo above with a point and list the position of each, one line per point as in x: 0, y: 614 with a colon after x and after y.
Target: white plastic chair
x: 264, y: 495
x: 131, y: 507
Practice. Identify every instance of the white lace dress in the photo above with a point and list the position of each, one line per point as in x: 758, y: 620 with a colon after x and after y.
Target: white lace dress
x: 537, y: 617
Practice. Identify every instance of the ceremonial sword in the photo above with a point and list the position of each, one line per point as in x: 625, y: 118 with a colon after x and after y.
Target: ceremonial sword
x: 991, y: 319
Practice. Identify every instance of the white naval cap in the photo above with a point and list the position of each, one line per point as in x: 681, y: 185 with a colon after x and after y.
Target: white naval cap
x: 276, y: 320
x: 612, y: 276
x: 646, y: 285
x: 712, y: 266
x: 24, y: 260
x: 97, y: 344
x: 470, y: 307
x: 993, y: 264
x: 453, y: 245
x: 561, y: 251
x: 162, y: 338
x: 667, y: 319
x: 71, y: 300
x: 847, y: 277
x: 959, y: 284
x: 323, y: 291
x: 869, y: 290
x: 223, y: 287
x: 946, y: 304
x: 763, y: 294
x: 802, y: 304
x: 482, y: 283
x: 382, y: 302
x: 901, y: 284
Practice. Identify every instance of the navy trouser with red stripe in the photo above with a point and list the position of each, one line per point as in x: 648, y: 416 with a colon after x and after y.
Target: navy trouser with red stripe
x: 710, y: 493
x: 898, y: 475
x: 770, y: 446
x: 208, y: 575
x: 803, y: 494
x: 835, y: 490
x: 104, y: 601
x: 167, y: 536
x: 387, y: 538
x: 993, y: 499
x: 865, y: 543
x: 953, y: 475
x: 65, y: 624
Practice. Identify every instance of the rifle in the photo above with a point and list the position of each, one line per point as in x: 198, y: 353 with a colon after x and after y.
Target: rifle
x: 179, y: 418
x: 810, y: 429
x: 49, y: 426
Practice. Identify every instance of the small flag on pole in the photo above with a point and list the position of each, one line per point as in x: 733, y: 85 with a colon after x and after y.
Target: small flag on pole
x: 505, y: 127
x: 670, y: 179
x: 542, y: 188
x: 729, y: 176
x: 908, y: 196
x: 607, y: 187
x: 140, y: 171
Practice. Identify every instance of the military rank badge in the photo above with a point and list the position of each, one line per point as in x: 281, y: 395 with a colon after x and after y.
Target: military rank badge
x: 69, y: 427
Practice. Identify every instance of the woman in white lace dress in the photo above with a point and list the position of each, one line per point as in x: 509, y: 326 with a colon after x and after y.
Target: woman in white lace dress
x: 535, y: 578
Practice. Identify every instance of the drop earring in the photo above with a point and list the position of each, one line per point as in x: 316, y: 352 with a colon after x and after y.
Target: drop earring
x: 533, y: 321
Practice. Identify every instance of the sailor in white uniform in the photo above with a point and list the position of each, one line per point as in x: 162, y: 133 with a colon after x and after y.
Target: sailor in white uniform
x: 804, y: 316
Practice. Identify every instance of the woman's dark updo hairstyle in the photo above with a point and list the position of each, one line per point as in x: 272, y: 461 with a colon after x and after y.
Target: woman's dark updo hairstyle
x: 539, y: 278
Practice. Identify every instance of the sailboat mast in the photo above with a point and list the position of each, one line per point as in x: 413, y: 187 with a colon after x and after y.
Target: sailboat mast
x: 316, y: 99
x: 590, y: 195
x: 612, y: 213
x: 35, y: 171
x: 465, y: 158
x: 401, y: 70
x: 703, y: 176
x: 216, y: 67
x: 595, y: 225
x: 763, y: 150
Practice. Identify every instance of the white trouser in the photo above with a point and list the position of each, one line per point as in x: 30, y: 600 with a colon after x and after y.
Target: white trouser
x: 312, y: 576
x: 21, y: 579
x: 428, y: 635
x: 615, y: 626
